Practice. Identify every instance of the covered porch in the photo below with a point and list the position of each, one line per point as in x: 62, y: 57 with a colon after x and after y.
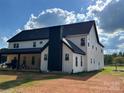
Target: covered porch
x: 23, y: 59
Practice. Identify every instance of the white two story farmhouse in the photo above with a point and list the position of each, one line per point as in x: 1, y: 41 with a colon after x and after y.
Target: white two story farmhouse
x: 67, y: 48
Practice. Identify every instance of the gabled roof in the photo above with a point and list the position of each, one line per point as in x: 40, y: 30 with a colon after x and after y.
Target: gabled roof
x: 73, y: 47
x: 43, y: 33
x: 68, y: 29
x: 23, y: 50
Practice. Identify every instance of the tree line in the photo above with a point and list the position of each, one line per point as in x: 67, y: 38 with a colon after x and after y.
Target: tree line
x: 115, y: 58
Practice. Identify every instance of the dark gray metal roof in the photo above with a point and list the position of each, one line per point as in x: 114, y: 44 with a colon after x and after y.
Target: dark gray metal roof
x: 23, y: 50
x: 73, y: 47
x: 43, y: 33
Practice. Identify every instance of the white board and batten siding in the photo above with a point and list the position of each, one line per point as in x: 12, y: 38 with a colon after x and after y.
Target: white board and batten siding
x: 70, y: 65
x: 44, y: 63
x: 28, y: 44
x: 79, y: 67
x: 67, y: 65
x: 94, y: 52
x: 76, y: 39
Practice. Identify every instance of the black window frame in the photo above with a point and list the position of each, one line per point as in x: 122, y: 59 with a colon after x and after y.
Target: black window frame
x: 94, y: 61
x: 16, y: 45
x: 96, y: 48
x: 91, y: 60
x: 33, y: 60
x: 67, y: 57
x: 76, y: 61
x: 41, y: 42
x: 92, y: 46
x: 88, y: 44
x: 81, y: 62
x: 45, y: 57
x: 34, y: 44
x: 82, y: 41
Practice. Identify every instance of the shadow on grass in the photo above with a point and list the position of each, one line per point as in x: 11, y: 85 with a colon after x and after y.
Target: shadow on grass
x: 26, y: 77
x: 83, y: 76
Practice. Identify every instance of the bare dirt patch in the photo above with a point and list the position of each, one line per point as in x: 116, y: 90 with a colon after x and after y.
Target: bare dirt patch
x: 69, y: 84
x: 94, y: 82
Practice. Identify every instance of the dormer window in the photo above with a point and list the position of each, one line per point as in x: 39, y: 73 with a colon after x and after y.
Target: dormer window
x: 34, y: 44
x: 82, y: 41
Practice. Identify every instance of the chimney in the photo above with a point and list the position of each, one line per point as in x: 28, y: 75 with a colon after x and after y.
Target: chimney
x: 55, y: 49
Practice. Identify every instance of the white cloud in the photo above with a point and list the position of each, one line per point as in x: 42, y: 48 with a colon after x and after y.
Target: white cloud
x: 121, y: 37
x: 3, y: 41
x: 111, y: 51
x: 96, y: 8
x: 108, y: 15
x: 98, y: 11
x: 54, y: 16
x: 18, y: 30
x: 121, y: 46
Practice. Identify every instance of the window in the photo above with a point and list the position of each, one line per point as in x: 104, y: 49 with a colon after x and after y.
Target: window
x: 15, y: 45
x: 82, y: 41
x: 94, y: 61
x: 34, y: 44
x: 76, y: 61
x: 41, y: 42
x: 88, y: 44
x: 92, y: 46
x: 101, y: 51
x: 99, y: 63
x: 91, y: 60
x: 33, y: 60
x: 96, y: 48
x: 81, y: 61
x: 66, y: 57
x: 45, y: 57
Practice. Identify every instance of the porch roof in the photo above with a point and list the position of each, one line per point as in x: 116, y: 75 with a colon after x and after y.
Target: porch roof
x: 23, y: 50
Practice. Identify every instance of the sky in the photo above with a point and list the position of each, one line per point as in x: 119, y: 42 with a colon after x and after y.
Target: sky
x: 18, y: 15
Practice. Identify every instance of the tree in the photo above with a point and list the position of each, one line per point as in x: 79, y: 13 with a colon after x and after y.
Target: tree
x: 118, y: 61
x: 120, y: 54
x: 114, y: 55
x: 123, y: 54
x: 108, y: 59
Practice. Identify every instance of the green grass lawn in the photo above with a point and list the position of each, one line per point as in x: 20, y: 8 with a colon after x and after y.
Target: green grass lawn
x: 13, y: 79
x: 110, y: 70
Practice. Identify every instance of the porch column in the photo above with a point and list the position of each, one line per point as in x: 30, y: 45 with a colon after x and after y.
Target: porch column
x: 18, y: 63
